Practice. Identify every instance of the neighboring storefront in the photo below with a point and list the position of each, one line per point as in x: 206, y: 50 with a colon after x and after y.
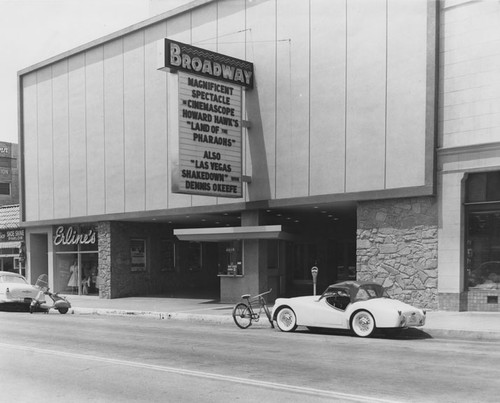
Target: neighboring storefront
x: 468, y: 155
x: 227, y: 147
x: 12, y: 248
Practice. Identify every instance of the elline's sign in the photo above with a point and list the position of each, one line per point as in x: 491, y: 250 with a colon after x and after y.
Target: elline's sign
x: 73, y: 236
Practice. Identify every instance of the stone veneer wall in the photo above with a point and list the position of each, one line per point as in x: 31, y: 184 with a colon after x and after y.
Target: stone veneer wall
x: 397, y: 246
x: 104, y: 242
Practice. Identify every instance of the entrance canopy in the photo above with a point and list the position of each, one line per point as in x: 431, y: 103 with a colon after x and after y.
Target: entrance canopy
x: 10, y: 245
x: 231, y: 233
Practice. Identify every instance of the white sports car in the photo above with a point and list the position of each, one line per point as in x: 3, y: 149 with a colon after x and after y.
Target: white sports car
x: 15, y: 291
x: 360, y: 306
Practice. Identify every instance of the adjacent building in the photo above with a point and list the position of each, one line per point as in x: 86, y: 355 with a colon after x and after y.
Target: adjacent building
x: 228, y: 146
x: 9, y: 173
x: 12, y: 251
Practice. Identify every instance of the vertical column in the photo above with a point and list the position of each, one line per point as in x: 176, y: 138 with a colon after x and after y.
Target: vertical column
x: 254, y: 254
x: 450, y: 239
x: 254, y: 279
x: 104, y: 242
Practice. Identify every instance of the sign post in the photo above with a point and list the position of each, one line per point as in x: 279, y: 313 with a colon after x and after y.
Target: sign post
x: 314, y: 272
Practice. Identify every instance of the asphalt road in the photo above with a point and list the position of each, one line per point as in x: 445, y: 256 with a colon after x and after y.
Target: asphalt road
x: 75, y: 358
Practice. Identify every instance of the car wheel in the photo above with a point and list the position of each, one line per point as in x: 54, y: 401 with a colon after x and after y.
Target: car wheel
x: 363, y: 324
x: 286, y: 320
x: 63, y: 310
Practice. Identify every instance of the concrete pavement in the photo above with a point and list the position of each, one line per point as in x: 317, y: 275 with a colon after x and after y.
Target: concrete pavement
x: 484, y: 326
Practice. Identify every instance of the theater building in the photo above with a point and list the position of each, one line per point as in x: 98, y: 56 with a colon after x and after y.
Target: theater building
x: 227, y: 147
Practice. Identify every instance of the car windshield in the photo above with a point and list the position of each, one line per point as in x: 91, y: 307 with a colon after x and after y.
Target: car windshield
x: 6, y: 278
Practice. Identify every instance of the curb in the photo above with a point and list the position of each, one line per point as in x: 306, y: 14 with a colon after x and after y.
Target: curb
x: 463, y: 335
x: 224, y: 319
x: 217, y: 319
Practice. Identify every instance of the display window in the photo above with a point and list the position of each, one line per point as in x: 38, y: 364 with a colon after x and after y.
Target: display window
x: 76, y: 262
x: 482, y: 238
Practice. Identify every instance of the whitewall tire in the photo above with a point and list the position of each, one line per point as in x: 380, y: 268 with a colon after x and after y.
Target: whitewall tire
x: 363, y: 324
x: 286, y: 320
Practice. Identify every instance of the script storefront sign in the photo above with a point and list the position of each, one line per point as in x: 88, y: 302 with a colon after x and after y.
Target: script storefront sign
x: 72, y: 236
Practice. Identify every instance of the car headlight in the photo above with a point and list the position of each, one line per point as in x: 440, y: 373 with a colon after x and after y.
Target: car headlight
x: 402, y: 319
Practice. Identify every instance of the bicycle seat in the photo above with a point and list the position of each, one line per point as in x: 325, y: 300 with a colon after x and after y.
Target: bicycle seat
x: 245, y: 296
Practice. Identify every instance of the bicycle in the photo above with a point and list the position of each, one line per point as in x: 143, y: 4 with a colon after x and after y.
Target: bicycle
x: 244, y: 314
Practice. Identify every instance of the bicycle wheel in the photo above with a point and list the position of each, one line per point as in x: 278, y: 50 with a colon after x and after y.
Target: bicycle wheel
x: 242, y: 315
x: 268, y: 314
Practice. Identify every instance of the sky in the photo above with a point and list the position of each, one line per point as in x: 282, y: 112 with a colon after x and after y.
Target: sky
x: 35, y: 30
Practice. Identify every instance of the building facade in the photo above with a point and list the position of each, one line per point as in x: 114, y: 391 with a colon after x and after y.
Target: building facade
x: 331, y: 147
x: 9, y: 173
x: 468, y: 156
x: 12, y: 250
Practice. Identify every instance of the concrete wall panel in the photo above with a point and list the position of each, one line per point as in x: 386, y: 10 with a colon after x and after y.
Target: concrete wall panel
x: 133, y: 107
x: 328, y: 94
x: 366, y: 95
x: 94, y: 83
x: 45, y: 149
x: 261, y: 101
x: 178, y: 29
x: 406, y: 92
x: 77, y: 136
x: 204, y: 35
x: 61, y: 139
x: 155, y: 122
x: 292, y: 86
x: 30, y: 158
x: 114, y: 127
x: 231, y: 41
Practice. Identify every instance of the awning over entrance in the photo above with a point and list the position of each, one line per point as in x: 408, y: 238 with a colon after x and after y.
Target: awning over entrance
x: 10, y: 245
x: 231, y: 233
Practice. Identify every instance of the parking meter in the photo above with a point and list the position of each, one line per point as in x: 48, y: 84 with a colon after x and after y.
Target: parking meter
x: 314, y: 272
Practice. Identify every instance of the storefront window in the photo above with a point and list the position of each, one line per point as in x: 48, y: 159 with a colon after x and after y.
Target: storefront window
x: 483, y: 250
x: 76, y: 260
x: 482, y: 260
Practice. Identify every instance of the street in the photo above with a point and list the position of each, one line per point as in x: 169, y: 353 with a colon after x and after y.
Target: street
x: 82, y: 358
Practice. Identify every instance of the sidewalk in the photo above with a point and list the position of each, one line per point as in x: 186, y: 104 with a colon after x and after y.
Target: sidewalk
x: 484, y: 326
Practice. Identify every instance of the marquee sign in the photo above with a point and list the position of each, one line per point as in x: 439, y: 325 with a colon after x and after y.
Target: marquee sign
x: 180, y: 56
x: 209, y: 138
x: 209, y: 108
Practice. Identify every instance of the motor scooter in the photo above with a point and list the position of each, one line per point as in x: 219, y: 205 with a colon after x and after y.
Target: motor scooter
x: 39, y: 304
